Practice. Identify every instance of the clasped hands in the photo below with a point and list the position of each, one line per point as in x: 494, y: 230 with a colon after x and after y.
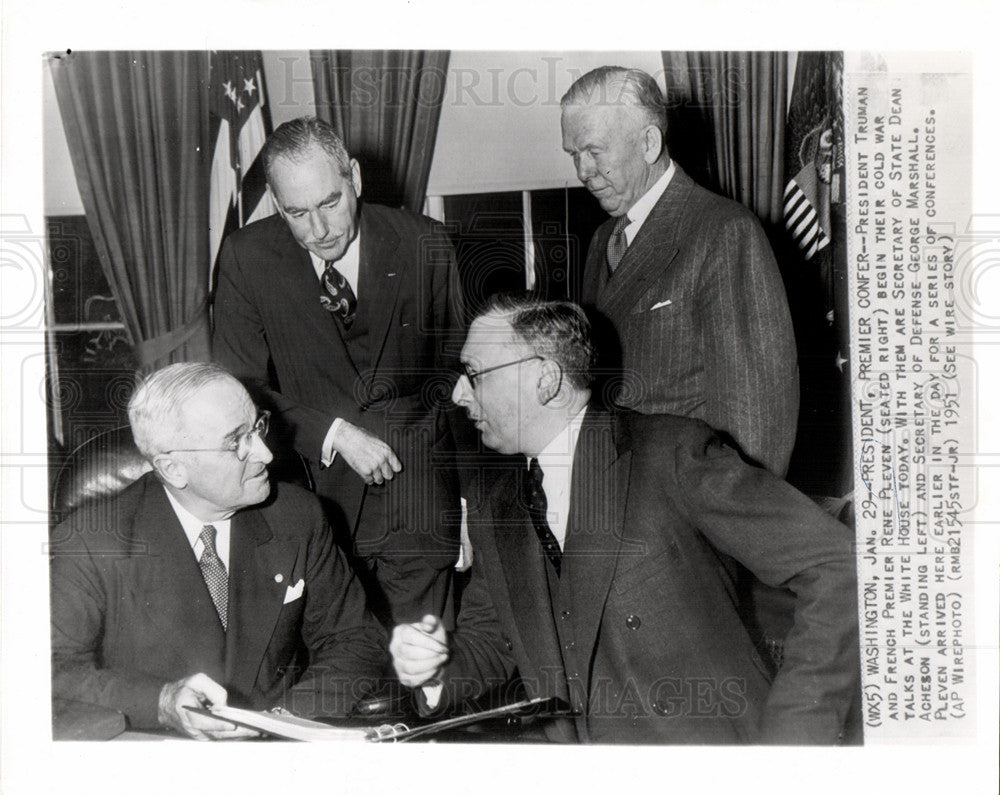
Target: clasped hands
x: 419, y: 651
x: 374, y: 460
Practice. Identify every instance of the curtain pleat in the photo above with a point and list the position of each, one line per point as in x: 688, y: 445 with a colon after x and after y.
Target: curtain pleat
x: 386, y: 105
x: 137, y: 128
x: 737, y: 100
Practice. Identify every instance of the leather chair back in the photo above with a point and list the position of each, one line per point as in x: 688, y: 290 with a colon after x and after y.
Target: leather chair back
x: 100, y: 467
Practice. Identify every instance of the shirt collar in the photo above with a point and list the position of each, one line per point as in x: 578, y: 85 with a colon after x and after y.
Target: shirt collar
x: 192, y: 524
x: 563, y: 444
x: 349, y: 265
x: 641, y: 209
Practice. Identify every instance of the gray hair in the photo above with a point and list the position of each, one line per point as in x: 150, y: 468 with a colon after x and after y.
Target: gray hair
x: 557, y: 330
x: 294, y: 138
x: 618, y: 85
x: 154, y: 410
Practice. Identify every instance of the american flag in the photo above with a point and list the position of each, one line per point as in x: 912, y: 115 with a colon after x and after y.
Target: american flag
x: 240, y: 123
x: 814, y: 143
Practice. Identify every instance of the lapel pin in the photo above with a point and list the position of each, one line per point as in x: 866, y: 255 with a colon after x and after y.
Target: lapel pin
x: 279, y: 577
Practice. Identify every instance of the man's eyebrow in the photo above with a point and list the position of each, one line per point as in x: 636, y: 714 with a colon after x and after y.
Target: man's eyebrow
x: 334, y: 195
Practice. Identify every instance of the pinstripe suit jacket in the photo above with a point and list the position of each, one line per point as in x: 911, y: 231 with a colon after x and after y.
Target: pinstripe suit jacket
x: 271, y: 330
x: 701, y: 319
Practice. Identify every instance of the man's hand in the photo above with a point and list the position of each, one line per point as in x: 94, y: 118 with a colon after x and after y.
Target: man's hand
x: 197, y: 691
x: 419, y: 651
x: 366, y: 454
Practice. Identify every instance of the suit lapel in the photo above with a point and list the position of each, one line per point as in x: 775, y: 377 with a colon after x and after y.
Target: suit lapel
x: 598, y: 495
x: 524, y: 568
x: 653, y: 249
x: 381, y: 271
x: 261, y: 569
x: 173, y: 582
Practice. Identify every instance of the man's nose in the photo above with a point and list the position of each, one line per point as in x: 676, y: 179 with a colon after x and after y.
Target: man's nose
x: 461, y: 395
x: 584, y: 167
x: 317, y: 225
x: 259, y: 451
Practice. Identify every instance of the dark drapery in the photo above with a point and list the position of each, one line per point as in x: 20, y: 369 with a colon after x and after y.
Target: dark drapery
x: 737, y: 101
x: 137, y: 128
x: 386, y: 105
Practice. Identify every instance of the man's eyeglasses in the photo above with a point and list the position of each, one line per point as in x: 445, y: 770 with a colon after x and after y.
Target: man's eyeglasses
x: 241, y: 443
x: 472, y: 375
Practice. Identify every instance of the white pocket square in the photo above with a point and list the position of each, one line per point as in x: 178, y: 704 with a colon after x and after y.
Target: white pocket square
x: 293, y: 592
x: 660, y: 304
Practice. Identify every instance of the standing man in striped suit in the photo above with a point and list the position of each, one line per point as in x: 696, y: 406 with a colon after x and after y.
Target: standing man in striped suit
x: 340, y: 314
x: 686, y: 278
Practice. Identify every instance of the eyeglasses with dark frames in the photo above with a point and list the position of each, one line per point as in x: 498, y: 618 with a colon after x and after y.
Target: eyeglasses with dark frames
x: 472, y: 375
x: 241, y: 443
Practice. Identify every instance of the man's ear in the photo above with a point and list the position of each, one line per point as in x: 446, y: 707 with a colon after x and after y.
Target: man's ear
x: 549, y: 381
x: 171, y: 471
x: 652, y: 140
x: 356, y: 177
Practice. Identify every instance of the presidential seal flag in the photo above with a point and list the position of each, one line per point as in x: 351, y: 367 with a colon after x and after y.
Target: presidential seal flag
x: 815, y: 150
x: 240, y: 123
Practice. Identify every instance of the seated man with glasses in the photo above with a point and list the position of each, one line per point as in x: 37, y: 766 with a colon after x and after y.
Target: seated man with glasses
x: 203, y: 583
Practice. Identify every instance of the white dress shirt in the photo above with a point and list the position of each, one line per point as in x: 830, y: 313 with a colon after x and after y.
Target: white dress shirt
x: 349, y: 265
x: 640, y: 211
x: 193, y: 526
x: 556, y: 461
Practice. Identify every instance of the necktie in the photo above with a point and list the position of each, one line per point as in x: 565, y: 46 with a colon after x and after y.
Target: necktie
x: 537, y: 506
x: 617, y: 243
x: 214, y: 573
x: 339, y: 299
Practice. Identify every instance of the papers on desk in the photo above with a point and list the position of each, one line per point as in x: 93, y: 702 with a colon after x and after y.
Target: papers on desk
x: 286, y: 725
x: 290, y: 727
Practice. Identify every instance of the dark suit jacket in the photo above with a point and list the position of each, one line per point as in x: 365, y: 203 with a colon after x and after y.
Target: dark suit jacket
x: 270, y: 329
x: 131, y: 611
x: 649, y: 646
x: 723, y: 349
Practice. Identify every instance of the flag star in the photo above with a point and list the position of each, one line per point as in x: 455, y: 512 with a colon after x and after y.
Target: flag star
x: 230, y: 91
x: 249, y: 87
x: 239, y: 105
x: 840, y: 361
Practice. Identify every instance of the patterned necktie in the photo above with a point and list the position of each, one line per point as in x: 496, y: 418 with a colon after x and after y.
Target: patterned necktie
x: 339, y: 300
x: 537, y: 506
x: 214, y: 573
x: 617, y: 243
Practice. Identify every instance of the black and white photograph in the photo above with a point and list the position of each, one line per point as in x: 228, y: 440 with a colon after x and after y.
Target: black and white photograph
x: 496, y: 398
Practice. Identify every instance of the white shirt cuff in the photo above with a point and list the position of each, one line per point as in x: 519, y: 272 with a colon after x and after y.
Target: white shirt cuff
x: 329, y: 454
x: 432, y: 694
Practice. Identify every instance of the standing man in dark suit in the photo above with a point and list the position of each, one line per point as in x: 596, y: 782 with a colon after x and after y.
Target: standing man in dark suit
x: 341, y: 314
x: 686, y: 278
x: 596, y: 574
x: 203, y: 583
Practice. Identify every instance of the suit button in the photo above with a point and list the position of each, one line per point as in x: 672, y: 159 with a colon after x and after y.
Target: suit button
x: 565, y: 614
x: 363, y: 409
x: 569, y: 645
x: 509, y: 645
x: 633, y: 622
